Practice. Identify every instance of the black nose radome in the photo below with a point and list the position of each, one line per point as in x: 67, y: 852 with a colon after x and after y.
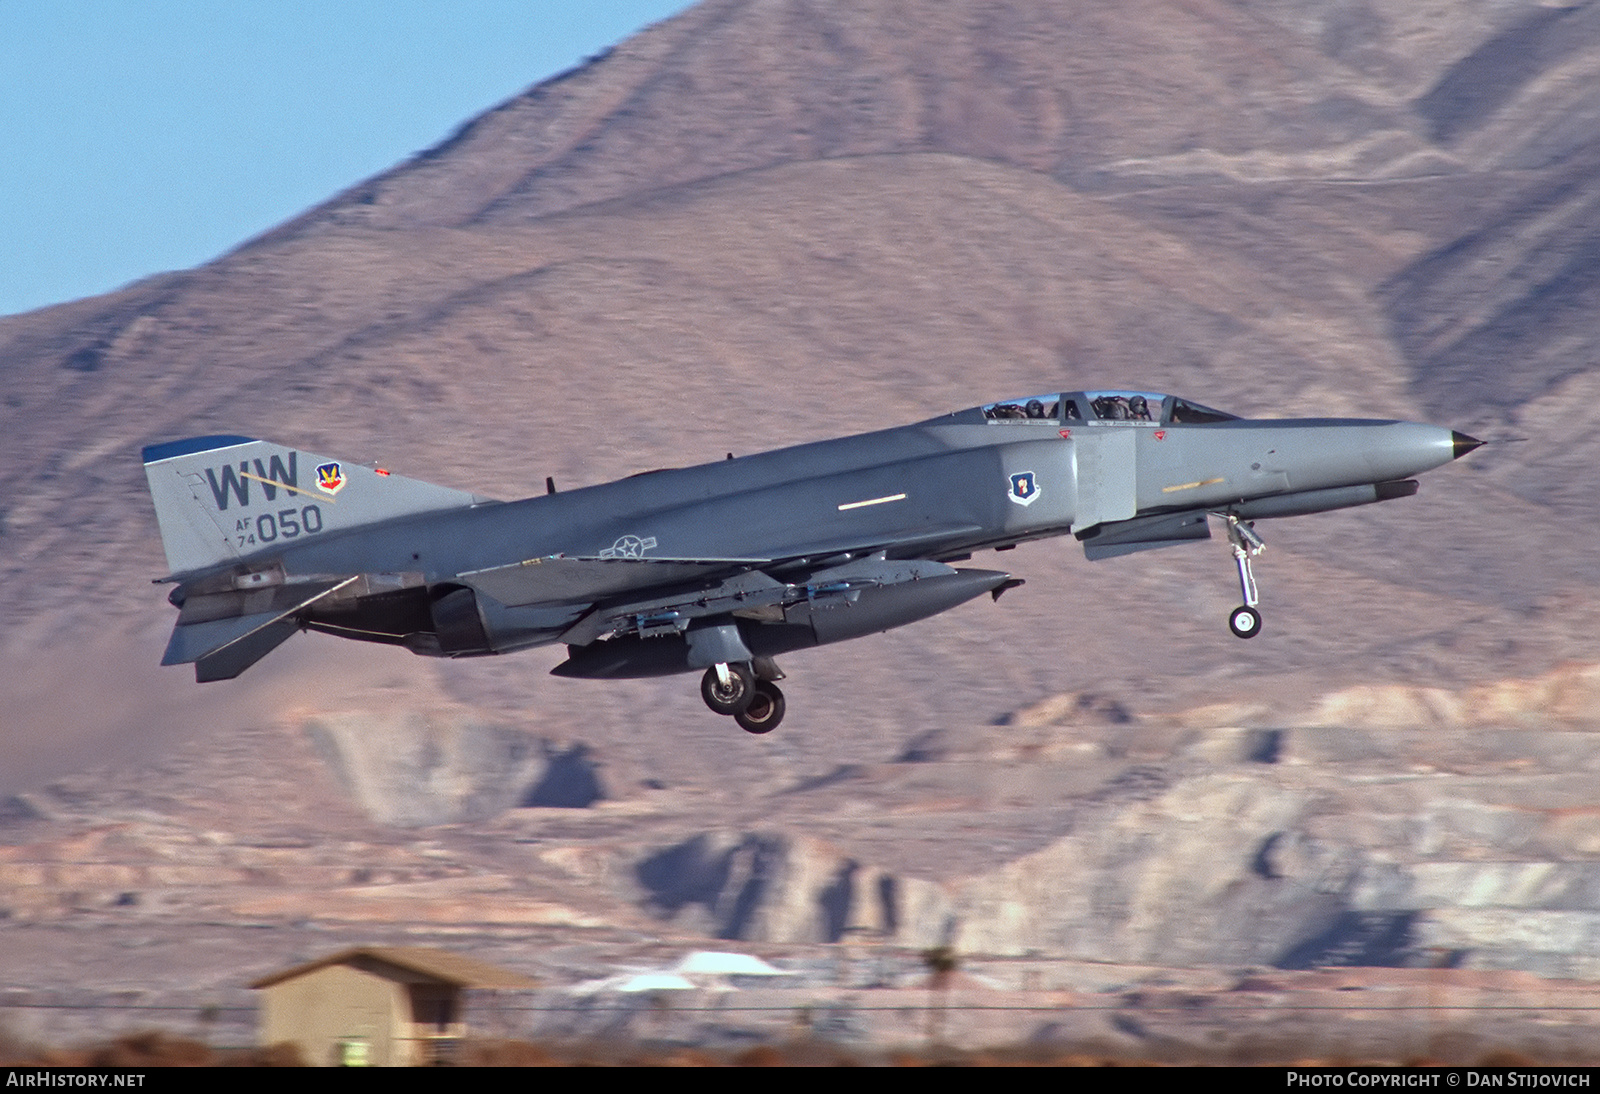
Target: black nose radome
x: 1464, y: 444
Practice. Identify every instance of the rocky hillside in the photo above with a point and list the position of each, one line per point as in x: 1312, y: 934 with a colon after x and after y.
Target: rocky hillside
x: 1159, y: 878
x: 768, y: 221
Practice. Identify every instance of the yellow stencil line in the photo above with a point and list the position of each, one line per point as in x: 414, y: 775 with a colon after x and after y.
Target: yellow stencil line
x: 871, y: 501
x: 1192, y: 485
x: 286, y: 486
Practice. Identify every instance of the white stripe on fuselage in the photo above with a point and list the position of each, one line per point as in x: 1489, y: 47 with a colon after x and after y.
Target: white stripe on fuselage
x: 871, y: 501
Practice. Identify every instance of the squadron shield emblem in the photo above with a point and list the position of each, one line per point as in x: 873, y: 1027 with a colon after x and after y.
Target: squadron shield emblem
x: 1024, y: 489
x: 330, y: 478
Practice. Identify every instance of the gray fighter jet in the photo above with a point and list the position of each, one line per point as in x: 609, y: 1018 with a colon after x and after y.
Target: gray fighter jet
x: 725, y: 566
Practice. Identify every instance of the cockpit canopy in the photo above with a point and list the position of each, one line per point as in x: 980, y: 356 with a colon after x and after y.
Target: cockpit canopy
x: 1104, y: 406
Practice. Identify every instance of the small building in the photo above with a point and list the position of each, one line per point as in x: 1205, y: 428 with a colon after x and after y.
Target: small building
x: 377, y: 1006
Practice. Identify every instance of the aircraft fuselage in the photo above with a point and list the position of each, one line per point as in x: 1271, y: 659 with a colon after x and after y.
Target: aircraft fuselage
x: 735, y: 561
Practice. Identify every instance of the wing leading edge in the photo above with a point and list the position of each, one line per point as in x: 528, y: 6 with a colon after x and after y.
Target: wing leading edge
x: 558, y: 579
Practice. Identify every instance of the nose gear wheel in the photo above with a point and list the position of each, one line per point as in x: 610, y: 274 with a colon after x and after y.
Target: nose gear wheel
x: 1245, y: 622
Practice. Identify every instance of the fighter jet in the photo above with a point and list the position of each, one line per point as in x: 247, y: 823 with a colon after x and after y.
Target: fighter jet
x: 723, y: 567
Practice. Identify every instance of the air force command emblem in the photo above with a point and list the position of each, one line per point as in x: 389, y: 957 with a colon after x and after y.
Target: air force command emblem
x: 330, y: 478
x: 1024, y: 490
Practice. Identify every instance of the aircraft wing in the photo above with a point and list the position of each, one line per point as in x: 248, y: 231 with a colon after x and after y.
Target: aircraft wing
x: 562, y: 580
x: 751, y: 593
x: 224, y: 631
x: 559, y: 579
x: 905, y: 544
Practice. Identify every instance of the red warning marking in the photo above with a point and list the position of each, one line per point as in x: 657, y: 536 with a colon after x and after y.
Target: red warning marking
x: 380, y: 471
x: 1161, y: 434
x: 1065, y: 434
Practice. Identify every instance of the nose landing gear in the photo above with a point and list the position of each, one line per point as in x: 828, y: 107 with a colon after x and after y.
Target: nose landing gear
x: 747, y: 692
x: 1245, y: 620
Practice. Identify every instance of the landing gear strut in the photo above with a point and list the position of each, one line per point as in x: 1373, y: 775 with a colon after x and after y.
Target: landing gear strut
x: 1245, y: 621
x: 747, y: 693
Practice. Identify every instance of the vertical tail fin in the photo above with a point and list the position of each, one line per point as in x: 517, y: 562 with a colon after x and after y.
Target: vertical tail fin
x: 224, y: 498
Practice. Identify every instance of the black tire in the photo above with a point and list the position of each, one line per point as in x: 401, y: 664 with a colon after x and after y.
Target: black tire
x: 765, y: 710
x: 1244, y: 622
x: 733, y: 697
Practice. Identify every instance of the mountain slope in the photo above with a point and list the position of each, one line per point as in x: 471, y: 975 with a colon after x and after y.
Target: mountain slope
x: 768, y: 221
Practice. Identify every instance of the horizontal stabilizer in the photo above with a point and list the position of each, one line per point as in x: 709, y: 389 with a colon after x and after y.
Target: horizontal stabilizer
x: 274, y: 600
x: 192, y: 641
x: 231, y: 660
x: 232, y: 644
x: 581, y: 580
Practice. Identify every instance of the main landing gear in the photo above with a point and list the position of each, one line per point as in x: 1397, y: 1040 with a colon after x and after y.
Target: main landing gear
x: 747, y: 692
x: 1245, y: 621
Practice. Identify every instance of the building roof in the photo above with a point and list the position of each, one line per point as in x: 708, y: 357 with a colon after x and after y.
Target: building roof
x: 410, y: 964
x: 718, y: 963
x: 655, y: 981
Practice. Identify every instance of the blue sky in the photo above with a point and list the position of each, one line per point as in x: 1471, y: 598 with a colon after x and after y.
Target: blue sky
x: 145, y: 135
